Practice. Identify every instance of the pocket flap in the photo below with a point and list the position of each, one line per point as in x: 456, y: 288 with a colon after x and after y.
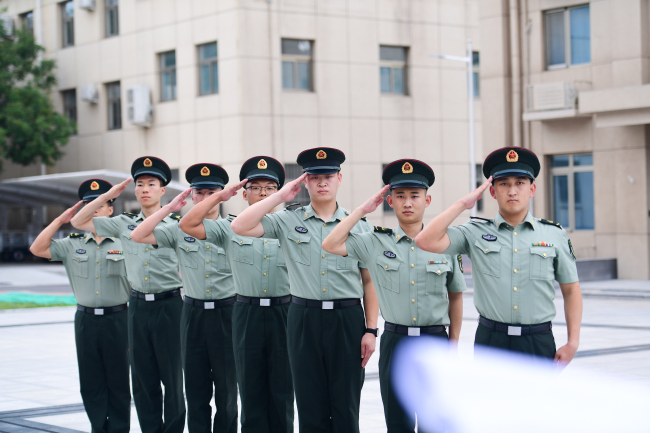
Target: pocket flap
x: 544, y: 252
x: 488, y: 247
x: 388, y: 264
x: 115, y: 257
x: 438, y: 268
x: 80, y: 258
x: 242, y: 240
x: 189, y: 248
x: 299, y: 238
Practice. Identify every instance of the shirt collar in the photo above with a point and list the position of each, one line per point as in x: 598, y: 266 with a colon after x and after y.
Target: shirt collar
x: 338, y: 215
x: 399, y: 234
x: 90, y: 236
x: 529, y: 219
x: 140, y: 216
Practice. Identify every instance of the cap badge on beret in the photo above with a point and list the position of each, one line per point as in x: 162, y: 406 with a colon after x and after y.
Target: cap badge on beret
x: 147, y: 162
x: 407, y: 168
x: 94, y: 186
x: 205, y: 171
x: 262, y: 164
x: 321, y: 154
x: 512, y: 156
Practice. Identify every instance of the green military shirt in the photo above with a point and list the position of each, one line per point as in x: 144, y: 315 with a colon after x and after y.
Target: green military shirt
x: 411, y: 283
x: 149, y: 269
x: 314, y: 273
x: 514, y: 267
x: 96, y: 271
x: 205, y: 270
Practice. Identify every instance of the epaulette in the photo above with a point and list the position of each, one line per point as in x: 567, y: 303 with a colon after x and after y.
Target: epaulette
x: 460, y: 263
x: 132, y: 215
x: 476, y: 219
x: 364, y: 219
x: 550, y: 223
x: 76, y: 235
x: 289, y: 206
x: 383, y: 230
x: 174, y: 216
x: 231, y: 217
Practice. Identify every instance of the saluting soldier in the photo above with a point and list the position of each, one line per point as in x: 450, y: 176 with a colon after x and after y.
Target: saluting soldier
x: 95, y: 268
x: 155, y: 303
x: 515, y: 258
x: 329, y: 340
x: 263, y: 296
x: 420, y: 293
x: 206, y: 321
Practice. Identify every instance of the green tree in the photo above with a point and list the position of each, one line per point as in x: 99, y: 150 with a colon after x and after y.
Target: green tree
x: 30, y: 130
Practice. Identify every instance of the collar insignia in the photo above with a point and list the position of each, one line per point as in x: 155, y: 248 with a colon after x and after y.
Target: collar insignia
x: 262, y: 164
x: 205, y: 171
x: 80, y: 251
x: 189, y: 239
x: 407, y: 168
x: 321, y: 154
x: 512, y: 156
x: 489, y: 238
x: 301, y: 229
x: 131, y: 227
x: 147, y: 162
x: 114, y: 252
x: 390, y: 254
x: 94, y: 186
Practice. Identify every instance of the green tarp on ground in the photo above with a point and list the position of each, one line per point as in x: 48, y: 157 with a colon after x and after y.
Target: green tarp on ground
x: 36, y: 298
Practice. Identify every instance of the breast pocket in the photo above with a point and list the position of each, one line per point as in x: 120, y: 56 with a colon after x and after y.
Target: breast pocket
x: 388, y: 274
x: 437, y: 278
x: 281, y: 261
x: 346, y: 263
x: 243, y: 250
x: 129, y: 245
x: 80, y: 266
x: 189, y: 255
x: 115, y: 265
x: 487, y: 260
x: 298, y: 246
x: 222, y: 261
x: 541, y: 263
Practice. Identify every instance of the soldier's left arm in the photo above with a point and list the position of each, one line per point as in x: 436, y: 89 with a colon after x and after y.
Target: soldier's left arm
x: 455, y: 288
x: 371, y: 308
x: 567, y: 275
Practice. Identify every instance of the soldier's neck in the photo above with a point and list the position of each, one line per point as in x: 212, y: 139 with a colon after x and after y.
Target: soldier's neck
x: 150, y: 210
x: 325, y: 211
x: 412, y: 229
x: 514, y: 219
x: 98, y: 239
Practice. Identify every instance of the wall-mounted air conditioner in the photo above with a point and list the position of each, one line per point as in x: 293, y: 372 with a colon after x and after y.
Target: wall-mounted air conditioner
x: 89, y: 5
x: 89, y: 93
x: 8, y: 23
x: 138, y: 105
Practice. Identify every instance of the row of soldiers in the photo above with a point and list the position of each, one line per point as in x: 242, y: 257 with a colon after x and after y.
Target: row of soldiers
x: 284, y: 303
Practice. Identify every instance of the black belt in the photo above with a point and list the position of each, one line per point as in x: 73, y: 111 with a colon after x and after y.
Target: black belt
x: 515, y: 330
x: 210, y: 305
x: 264, y: 302
x: 156, y: 296
x: 414, y: 331
x: 325, y: 305
x: 101, y: 311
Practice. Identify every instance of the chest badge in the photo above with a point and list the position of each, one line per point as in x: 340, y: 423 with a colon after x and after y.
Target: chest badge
x: 390, y: 254
x: 301, y: 229
x: 489, y: 238
x: 131, y: 227
x: 189, y: 239
x: 114, y: 252
x: 80, y: 251
x: 542, y: 244
x: 436, y: 262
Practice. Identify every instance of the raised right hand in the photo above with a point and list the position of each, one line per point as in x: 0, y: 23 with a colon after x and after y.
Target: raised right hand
x: 66, y: 216
x: 374, y: 201
x: 231, y: 190
x: 179, y: 201
x: 470, y: 199
x: 116, y: 190
x: 291, y: 189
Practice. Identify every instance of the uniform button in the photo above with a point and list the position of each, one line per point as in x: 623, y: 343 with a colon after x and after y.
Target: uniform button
x: 515, y: 233
x: 97, y: 276
x: 298, y: 240
x: 264, y: 290
x: 414, y: 319
x: 325, y: 225
x: 324, y: 290
x: 412, y: 248
x: 208, y: 290
x: 438, y: 271
x: 412, y: 265
x: 264, y: 256
x: 146, y: 278
x: 97, y: 247
x: 145, y: 263
x: 97, y: 293
x: 515, y: 271
x: 515, y: 289
x: 97, y: 261
x: 146, y: 249
x: 306, y: 215
x: 515, y: 307
x: 207, y: 276
x: 115, y: 260
x: 207, y: 261
x: 386, y: 267
x: 323, y: 255
x: 412, y: 282
x: 516, y: 251
x: 266, y: 242
x: 486, y: 250
x: 544, y: 254
x: 323, y: 272
x: 208, y: 247
x: 265, y: 274
x: 240, y: 242
x: 187, y: 249
x: 412, y: 300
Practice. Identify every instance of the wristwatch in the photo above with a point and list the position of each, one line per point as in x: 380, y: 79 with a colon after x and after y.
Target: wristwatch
x: 372, y: 331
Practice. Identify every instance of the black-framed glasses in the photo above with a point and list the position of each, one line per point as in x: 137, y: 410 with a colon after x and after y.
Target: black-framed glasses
x: 258, y: 189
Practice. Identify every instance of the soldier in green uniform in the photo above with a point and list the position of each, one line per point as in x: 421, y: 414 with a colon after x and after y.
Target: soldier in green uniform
x: 420, y: 293
x: 206, y: 321
x: 263, y: 296
x: 155, y: 303
x: 329, y: 340
x: 95, y: 268
x: 515, y: 258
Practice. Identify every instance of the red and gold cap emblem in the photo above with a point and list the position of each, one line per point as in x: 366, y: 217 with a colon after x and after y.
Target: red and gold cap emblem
x: 147, y: 162
x: 407, y: 168
x: 321, y: 154
x: 262, y: 164
x: 94, y: 186
x: 205, y: 171
x: 512, y: 156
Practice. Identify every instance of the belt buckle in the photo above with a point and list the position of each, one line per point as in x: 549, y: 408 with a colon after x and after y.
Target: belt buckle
x: 414, y: 332
x: 208, y: 305
x: 99, y: 311
x: 514, y: 330
x: 265, y: 302
x: 149, y: 297
x: 328, y: 305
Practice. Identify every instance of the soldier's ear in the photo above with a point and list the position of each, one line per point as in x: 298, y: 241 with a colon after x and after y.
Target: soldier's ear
x: 493, y: 192
x: 533, y: 189
x: 162, y: 190
x: 389, y: 199
x: 110, y: 210
x: 427, y: 200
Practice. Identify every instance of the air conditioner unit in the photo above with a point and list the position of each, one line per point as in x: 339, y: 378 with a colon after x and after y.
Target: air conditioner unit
x: 89, y: 93
x: 138, y: 105
x: 8, y: 23
x: 89, y: 5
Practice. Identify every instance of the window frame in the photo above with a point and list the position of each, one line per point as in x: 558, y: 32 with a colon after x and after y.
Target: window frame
x: 109, y: 6
x: 25, y: 18
x: 70, y: 112
x: 392, y: 65
x: 212, y: 63
x: 569, y: 172
x: 114, y: 123
x: 66, y: 40
x: 164, y: 70
x: 566, y: 15
x: 296, y: 59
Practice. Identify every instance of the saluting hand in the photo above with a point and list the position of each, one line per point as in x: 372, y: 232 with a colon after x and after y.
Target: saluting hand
x: 116, y: 190
x: 470, y: 199
x: 290, y: 190
x: 66, y: 216
x: 230, y: 191
x: 179, y: 201
x: 375, y: 201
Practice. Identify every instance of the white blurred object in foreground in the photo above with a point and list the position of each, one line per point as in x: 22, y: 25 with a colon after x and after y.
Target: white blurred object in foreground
x: 498, y: 391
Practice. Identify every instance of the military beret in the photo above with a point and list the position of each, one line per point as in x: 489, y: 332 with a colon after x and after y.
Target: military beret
x: 408, y: 173
x: 263, y: 167
x: 90, y: 189
x: 511, y: 161
x: 152, y: 166
x: 207, y: 176
x: 321, y: 160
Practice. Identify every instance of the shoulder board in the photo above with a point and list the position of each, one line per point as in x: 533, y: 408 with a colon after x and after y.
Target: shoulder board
x: 76, y: 235
x: 174, y: 216
x: 231, y: 217
x: 550, y: 223
x: 364, y: 219
x: 132, y: 215
x: 383, y: 230
x: 289, y: 206
x: 479, y: 220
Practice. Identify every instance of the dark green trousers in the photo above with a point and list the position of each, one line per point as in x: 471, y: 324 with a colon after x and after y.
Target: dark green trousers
x: 397, y: 420
x: 263, y: 371
x: 155, y: 349
x: 325, y: 356
x: 209, y: 366
x: 541, y: 345
x: 102, y: 355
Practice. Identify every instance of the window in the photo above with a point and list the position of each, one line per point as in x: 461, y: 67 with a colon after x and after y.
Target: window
x: 296, y: 64
x: 479, y: 182
x: 67, y: 24
x: 392, y: 69
x: 476, y: 63
x: 208, y: 70
x: 572, y: 188
x: 294, y: 171
x: 168, y: 76
x: 568, y: 39
x: 114, y: 99
x: 70, y: 104
x: 386, y: 207
x: 111, y: 18
x: 27, y: 22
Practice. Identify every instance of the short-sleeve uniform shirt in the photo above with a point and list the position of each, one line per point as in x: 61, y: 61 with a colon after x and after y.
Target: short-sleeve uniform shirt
x: 314, y: 273
x: 149, y: 269
x: 205, y: 270
x: 258, y: 265
x: 411, y: 283
x: 96, y: 271
x: 514, y: 267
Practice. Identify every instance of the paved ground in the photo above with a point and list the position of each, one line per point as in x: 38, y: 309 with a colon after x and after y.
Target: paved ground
x: 39, y: 389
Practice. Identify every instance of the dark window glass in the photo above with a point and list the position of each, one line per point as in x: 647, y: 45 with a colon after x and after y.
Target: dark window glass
x: 67, y: 15
x: 560, y: 161
x: 580, y: 35
x: 584, y: 200
x: 392, y: 69
x: 561, y: 200
x: 168, y: 76
x: 70, y: 104
x: 586, y: 159
x: 296, y: 64
x: 112, y: 23
x: 114, y: 99
x: 208, y: 69
x: 27, y: 20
